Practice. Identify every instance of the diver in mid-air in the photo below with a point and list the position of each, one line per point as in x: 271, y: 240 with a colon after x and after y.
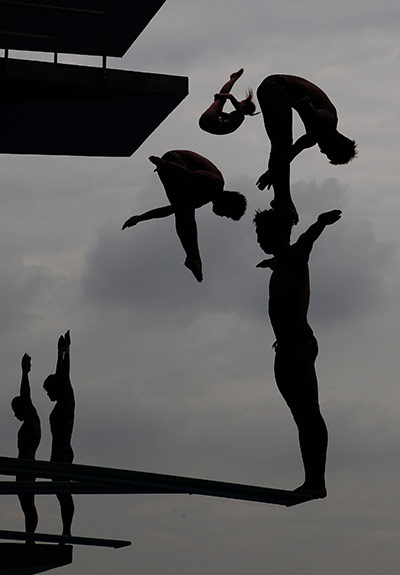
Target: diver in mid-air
x: 190, y: 182
x: 215, y: 121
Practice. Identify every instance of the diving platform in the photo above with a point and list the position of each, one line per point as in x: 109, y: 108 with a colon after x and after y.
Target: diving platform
x: 69, y: 110
x: 57, y: 109
x: 90, y: 27
x: 21, y: 559
x: 63, y: 539
x: 86, y: 479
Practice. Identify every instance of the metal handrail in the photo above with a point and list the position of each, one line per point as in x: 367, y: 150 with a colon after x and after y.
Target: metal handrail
x: 21, y: 4
x: 39, y: 36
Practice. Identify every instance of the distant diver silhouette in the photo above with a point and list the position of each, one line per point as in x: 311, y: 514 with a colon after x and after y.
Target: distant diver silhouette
x: 191, y: 181
x: 59, y: 389
x: 277, y: 95
x: 215, y: 121
x: 296, y: 347
x: 29, y: 436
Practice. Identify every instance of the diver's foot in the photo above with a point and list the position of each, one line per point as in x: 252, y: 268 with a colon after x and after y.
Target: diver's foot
x: 236, y: 75
x: 287, y: 208
x: 312, y: 491
x: 195, y: 267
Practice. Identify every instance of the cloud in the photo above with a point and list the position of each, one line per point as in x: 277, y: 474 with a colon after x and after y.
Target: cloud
x: 175, y: 376
x: 142, y: 268
x: 20, y: 288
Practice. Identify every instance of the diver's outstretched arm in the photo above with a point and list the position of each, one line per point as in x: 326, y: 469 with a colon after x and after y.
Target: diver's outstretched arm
x: 25, y: 390
x: 150, y: 215
x: 60, y: 354
x: 63, y: 359
x: 307, y: 239
x: 66, y: 360
x: 303, y: 143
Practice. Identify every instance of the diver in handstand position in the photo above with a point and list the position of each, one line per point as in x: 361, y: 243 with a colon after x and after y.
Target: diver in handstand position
x: 296, y: 347
x: 277, y: 96
x: 215, y: 121
x: 190, y: 182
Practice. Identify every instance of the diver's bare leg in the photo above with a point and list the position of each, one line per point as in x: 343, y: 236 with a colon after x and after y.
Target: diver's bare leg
x: 67, y: 511
x: 27, y: 501
x: 214, y: 111
x: 278, y: 121
x: 297, y: 381
x: 186, y: 228
x: 227, y: 87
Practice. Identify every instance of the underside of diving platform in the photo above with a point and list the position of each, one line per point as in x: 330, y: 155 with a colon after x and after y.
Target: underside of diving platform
x: 64, y: 109
x: 22, y: 559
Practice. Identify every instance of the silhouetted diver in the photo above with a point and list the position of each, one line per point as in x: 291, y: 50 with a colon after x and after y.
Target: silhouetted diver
x: 59, y: 389
x: 28, y: 440
x: 277, y: 96
x: 296, y: 347
x: 215, y: 121
x: 191, y: 181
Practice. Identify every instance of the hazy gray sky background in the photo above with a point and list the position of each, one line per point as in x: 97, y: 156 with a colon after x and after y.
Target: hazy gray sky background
x: 176, y: 377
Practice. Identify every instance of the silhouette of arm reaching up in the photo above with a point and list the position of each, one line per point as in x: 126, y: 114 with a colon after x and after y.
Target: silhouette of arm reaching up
x: 67, y: 361
x: 63, y: 358
x: 307, y: 239
x: 25, y: 390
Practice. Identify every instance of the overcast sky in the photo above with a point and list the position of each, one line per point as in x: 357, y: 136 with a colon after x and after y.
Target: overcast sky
x: 176, y: 377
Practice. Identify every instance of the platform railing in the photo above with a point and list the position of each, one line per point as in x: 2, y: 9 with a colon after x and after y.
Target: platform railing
x: 51, y: 7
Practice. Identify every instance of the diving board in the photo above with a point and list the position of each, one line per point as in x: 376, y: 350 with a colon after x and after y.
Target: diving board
x: 69, y: 110
x: 73, y: 487
x: 126, y: 481
x: 64, y: 539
